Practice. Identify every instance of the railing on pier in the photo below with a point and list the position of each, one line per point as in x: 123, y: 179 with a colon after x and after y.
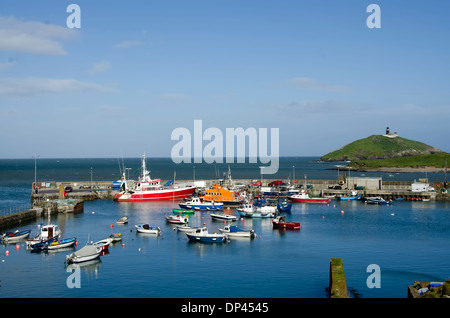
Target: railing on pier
x: 15, y: 209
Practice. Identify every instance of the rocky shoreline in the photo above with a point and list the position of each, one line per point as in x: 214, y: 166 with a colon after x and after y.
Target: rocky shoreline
x: 392, y: 169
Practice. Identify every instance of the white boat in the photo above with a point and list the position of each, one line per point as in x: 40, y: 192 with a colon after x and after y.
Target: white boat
x: 223, y: 216
x: 198, y: 204
x: 234, y: 231
x: 202, y: 235
x: 249, y: 210
x: 177, y: 219
x: 87, y: 253
x: 47, y: 232
x: 145, y: 228
x: 122, y: 220
x: 115, y: 237
x: 186, y: 228
x: 16, y: 236
x: 104, y: 244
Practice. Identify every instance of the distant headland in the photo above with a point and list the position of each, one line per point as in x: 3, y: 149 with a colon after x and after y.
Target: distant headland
x: 390, y: 153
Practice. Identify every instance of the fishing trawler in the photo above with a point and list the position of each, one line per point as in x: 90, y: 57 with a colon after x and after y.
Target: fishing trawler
x: 148, y: 189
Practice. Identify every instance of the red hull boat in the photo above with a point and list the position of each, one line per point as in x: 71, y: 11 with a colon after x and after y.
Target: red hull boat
x: 148, y: 189
x: 303, y: 197
x: 281, y: 223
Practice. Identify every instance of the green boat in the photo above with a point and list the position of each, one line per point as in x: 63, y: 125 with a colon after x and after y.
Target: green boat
x: 181, y: 211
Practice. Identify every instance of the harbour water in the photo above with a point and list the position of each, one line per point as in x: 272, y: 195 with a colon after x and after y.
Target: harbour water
x: 408, y: 240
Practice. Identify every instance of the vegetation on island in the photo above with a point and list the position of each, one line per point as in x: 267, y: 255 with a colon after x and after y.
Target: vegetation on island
x: 431, y: 161
x: 382, y: 147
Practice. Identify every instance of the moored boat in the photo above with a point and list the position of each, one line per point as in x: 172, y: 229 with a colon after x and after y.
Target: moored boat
x: 202, y: 235
x: 223, y: 216
x: 55, y: 244
x: 16, y: 236
x: 147, y: 229
x: 47, y: 232
x: 304, y: 197
x: 220, y: 194
x: 122, y: 220
x: 86, y: 253
x: 249, y: 210
x: 280, y: 223
x: 182, y: 211
x: 376, y: 200
x: 196, y: 203
x: 148, y: 189
x: 115, y: 237
x: 186, y: 228
x: 233, y: 231
x: 353, y: 196
x: 104, y: 244
x: 177, y: 219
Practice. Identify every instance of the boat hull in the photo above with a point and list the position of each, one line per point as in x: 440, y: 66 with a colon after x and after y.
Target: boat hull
x: 208, y: 238
x: 62, y: 244
x: 225, y: 217
x: 142, y: 228
x: 17, y: 236
x: 85, y: 254
x: 310, y: 200
x: 286, y: 225
x: 156, y: 195
x: 256, y: 214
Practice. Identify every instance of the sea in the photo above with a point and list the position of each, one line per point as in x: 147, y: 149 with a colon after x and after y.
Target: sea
x: 384, y: 248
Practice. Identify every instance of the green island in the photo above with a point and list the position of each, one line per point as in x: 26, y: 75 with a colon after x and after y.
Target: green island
x: 390, y: 152
x: 432, y: 162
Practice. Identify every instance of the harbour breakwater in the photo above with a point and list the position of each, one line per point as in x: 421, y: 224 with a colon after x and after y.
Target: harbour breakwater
x: 366, y: 187
x: 44, y: 208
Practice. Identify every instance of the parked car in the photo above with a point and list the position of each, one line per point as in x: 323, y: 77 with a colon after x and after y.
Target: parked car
x: 68, y: 189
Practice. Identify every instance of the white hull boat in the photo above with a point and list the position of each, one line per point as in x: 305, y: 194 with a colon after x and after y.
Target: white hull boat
x: 223, y: 216
x: 145, y: 228
x: 233, y: 231
x: 87, y: 253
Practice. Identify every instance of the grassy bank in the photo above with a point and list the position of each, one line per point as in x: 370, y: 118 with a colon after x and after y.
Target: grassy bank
x: 436, y: 160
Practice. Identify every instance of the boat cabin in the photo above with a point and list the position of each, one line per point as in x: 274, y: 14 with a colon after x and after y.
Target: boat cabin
x: 150, y: 185
x: 49, y: 231
x: 218, y: 193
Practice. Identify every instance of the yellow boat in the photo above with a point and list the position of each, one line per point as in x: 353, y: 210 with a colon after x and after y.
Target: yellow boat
x: 220, y: 194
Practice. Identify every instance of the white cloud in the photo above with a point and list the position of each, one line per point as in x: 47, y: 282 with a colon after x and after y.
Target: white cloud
x: 100, y: 67
x: 28, y: 86
x: 312, y: 84
x: 32, y: 37
x: 127, y: 44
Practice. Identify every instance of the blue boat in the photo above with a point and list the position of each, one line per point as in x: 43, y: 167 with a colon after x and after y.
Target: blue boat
x: 54, y: 243
x: 200, y: 205
x: 354, y: 196
x: 284, y: 207
x: 202, y: 235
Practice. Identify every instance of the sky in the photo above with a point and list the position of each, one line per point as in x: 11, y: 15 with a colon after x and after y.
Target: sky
x: 136, y: 70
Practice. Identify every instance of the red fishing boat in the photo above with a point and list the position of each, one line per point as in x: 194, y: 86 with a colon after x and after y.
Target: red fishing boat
x: 280, y: 223
x: 148, y: 189
x: 303, y: 197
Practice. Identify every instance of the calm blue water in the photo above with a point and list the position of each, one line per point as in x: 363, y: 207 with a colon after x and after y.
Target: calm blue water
x: 408, y: 240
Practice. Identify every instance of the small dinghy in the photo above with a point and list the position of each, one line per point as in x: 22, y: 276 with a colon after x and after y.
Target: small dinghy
x: 104, y: 244
x: 115, y: 237
x: 122, y: 220
x: 87, y: 253
x: 223, y: 216
x: 177, y: 219
x: 145, y: 228
x: 281, y: 223
x: 233, y: 231
x: 16, y: 236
